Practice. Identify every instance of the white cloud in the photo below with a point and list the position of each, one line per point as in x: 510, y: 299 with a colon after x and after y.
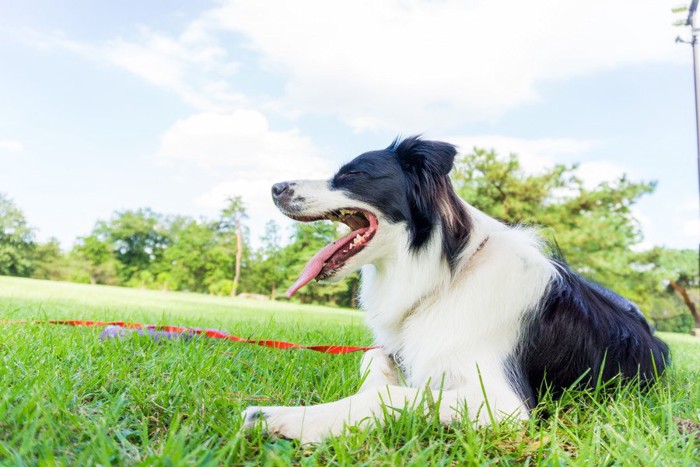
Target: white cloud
x: 646, y: 225
x: 433, y: 65
x: 538, y: 154
x: 674, y: 228
x: 192, y: 64
x: 241, y: 140
x: 533, y: 154
x: 691, y: 228
x: 686, y: 215
x: 406, y: 66
x: 594, y: 173
x: 247, y: 156
x: 11, y: 145
x: 689, y: 205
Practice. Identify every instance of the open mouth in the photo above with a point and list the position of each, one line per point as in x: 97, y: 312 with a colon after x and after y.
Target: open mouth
x: 325, y: 263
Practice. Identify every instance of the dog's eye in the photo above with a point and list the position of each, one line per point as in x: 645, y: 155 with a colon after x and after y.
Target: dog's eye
x: 346, y: 175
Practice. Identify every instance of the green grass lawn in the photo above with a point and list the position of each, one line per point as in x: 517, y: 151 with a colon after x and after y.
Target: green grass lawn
x: 68, y: 398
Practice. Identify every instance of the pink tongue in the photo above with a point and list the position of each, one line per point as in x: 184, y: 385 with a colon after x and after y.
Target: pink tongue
x: 315, y: 264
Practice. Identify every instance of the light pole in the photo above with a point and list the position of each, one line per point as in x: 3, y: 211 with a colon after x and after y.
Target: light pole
x: 691, y: 21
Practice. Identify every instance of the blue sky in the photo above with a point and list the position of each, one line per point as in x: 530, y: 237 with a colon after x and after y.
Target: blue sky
x: 176, y: 105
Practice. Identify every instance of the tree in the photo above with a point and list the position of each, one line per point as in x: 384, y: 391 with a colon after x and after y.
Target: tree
x: 692, y: 307
x: 96, y: 257
x: 593, y: 227
x: 231, y: 223
x: 681, y: 268
x: 185, y: 259
x: 138, y: 240
x: 16, y: 240
x: 268, y: 267
x: 197, y: 258
x: 49, y: 262
x: 675, y: 272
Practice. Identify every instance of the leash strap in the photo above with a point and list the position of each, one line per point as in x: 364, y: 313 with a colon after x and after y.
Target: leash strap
x: 211, y: 333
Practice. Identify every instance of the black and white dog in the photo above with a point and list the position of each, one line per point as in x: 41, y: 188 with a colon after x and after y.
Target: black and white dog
x: 461, y: 304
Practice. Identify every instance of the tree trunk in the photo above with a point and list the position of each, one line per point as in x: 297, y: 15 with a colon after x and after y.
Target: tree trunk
x: 272, y: 292
x: 239, y: 254
x: 688, y: 302
x: 353, y: 296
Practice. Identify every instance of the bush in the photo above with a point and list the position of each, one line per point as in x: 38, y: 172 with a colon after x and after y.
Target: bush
x: 680, y: 323
x: 669, y: 314
x: 221, y: 287
x: 166, y: 281
x: 143, y: 280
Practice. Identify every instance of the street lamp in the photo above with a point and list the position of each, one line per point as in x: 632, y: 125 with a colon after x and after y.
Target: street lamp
x: 690, y: 20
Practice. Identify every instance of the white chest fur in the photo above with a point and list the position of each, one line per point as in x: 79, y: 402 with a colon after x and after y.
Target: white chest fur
x: 446, y: 328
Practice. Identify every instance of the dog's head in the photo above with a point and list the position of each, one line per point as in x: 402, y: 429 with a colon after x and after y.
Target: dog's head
x: 398, y: 196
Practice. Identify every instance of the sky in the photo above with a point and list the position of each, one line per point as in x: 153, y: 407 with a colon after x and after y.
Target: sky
x: 176, y: 105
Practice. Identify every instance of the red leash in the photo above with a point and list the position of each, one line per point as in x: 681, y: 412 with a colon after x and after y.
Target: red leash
x: 211, y: 333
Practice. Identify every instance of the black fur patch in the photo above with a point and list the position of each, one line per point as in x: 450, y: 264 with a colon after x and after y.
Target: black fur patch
x: 584, y: 331
x: 257, y: 415
x: 409, y: 182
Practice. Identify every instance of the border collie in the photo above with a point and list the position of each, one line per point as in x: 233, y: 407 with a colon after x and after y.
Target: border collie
x: 462, y: 306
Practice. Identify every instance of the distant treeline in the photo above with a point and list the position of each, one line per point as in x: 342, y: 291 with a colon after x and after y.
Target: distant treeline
x: 145, y: 249
x: 594, y: 228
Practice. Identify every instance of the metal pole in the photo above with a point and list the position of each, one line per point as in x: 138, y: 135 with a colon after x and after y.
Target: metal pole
x: 696, y: 81
x: 691, y: 21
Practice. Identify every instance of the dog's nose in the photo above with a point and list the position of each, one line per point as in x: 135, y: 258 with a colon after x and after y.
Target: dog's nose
x: 278, y: 189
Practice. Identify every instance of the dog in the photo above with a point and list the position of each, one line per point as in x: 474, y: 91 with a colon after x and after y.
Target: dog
x: 466, y: 310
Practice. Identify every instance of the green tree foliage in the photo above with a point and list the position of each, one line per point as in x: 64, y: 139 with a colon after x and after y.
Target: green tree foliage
x: 50, y: 263
x: 138, y: 240
x: 97, y: 260
x: 145, y: 249
x: 268, y: 268
x: 16, y: 240
x: 198, y: 258
x: 673, y: 275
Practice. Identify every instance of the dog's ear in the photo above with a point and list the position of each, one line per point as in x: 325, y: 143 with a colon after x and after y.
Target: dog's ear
x: 416, y: 154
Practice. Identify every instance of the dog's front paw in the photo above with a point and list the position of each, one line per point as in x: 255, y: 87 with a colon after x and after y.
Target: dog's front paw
x: 251, y: 416
x: 302, y: 423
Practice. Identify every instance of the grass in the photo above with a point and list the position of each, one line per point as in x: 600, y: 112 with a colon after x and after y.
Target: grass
x: 68, y: 398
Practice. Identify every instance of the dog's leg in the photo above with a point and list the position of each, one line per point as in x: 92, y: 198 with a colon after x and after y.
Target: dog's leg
x: 314, y: 423
x: 378, y: 369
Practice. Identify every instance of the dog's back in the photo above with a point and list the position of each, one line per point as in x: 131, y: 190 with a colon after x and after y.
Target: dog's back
x: 583, y: 334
